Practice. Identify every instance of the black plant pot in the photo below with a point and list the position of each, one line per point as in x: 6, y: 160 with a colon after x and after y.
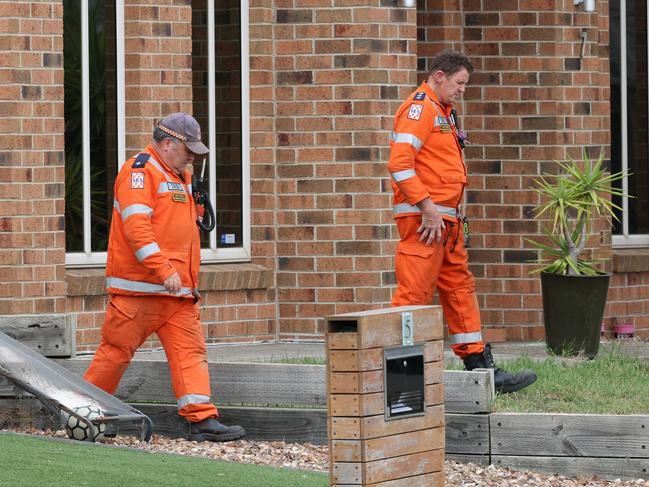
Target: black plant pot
x: 573, y: 307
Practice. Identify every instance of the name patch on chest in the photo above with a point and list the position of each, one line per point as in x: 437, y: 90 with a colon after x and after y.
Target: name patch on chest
x: 415, y: 111
x: 137, y: 180
x: 175, y: 187
x: 179, y: 197
x: 439, y: 120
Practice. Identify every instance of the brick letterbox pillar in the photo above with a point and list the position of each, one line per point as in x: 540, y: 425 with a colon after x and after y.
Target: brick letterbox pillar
x: 386, y: 397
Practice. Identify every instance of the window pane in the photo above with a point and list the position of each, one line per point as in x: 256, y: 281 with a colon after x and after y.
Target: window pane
x: 103, y: 118
x: 636, y: 111
x: 227, y: 153
x: 103, y: 121
x: 73, y: 123
x: 636, y: 40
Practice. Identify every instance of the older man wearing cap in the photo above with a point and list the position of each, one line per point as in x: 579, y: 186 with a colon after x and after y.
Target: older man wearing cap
x: 152, y: 275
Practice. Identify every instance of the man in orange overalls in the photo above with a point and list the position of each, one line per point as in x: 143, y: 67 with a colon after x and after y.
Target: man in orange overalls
x: 428, y: 180
x: 152, y: 275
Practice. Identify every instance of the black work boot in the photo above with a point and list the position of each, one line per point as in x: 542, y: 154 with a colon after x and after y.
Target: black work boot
x: 211, y: 430
x: 504, y: 381
x: 111, y: 430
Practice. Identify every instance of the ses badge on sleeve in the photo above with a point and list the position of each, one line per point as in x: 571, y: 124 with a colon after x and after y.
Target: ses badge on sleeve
x: 415, y: 111
x: 137, y: 180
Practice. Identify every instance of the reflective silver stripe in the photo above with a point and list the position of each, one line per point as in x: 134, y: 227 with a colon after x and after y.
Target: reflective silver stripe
x: 465, y: 338
x: 143, y: 252
x: 445, y: 210
x: 406, y: 208
x: 116, y: 205
x: 141, y: 287
x: 157, y: 165
x: 399, y: 138
x: 192, y: 399
x: 135, y: 209
x: 403, y: 175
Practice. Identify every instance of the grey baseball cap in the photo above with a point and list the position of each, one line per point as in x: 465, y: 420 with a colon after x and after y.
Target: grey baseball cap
x: 184, y: 127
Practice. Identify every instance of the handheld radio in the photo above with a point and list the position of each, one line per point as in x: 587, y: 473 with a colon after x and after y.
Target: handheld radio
x: 205, y: 213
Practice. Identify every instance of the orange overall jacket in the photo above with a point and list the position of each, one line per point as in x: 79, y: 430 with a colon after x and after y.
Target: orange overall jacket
x: 425, y: 158
x: 153, y: 229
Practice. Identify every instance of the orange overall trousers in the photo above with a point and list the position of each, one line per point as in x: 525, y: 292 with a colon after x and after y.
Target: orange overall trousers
x: 129, y: 321
x: 421, y: 268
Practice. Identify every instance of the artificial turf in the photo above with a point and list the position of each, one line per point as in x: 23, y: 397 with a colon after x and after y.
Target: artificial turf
x: 33, y: 461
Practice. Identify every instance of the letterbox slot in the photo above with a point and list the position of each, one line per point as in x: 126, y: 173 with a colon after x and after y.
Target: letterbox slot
x: 404, y: 381
x: 343, y: 326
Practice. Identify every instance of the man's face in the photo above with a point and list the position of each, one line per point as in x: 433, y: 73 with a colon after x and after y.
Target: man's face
x: 449, y: 89
x: 176, y: 155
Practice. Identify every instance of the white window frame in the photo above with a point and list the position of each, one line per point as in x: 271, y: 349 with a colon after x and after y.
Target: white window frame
x: 88, y: 258
x: 233, y: 254
x: 626, y: 240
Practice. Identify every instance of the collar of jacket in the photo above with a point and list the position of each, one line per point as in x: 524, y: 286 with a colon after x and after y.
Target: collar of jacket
x: 186, y: 175
x: 433, y: 97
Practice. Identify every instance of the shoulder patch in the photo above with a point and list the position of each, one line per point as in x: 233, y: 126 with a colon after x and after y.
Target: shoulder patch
x: 415, y: 111
x: 140, y: 160
x: 137, y: 180
x: 420, y: 95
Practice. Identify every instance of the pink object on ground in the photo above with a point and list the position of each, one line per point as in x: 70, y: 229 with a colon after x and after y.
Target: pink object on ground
x: 624, y: 331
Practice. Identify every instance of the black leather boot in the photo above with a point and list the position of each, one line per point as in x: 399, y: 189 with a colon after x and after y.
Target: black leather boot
x: 504, y: 381
x: 111, y: 430
x: 211, y: 430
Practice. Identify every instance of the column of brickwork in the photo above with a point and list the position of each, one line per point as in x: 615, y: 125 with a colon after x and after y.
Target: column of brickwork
x: 32, y: 239
x: 263, y: 143
x: 341, y: 69
x: 366, y: 447
x: 158, y: 46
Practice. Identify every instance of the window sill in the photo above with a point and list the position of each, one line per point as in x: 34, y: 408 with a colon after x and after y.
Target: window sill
x: 630, y: 260
x: 212, y: 277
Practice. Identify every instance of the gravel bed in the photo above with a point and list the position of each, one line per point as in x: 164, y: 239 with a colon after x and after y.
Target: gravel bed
x: 315, y: 458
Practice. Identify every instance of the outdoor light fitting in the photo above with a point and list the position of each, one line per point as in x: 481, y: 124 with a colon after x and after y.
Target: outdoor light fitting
x: 589, y: 5
x: 408, y: 3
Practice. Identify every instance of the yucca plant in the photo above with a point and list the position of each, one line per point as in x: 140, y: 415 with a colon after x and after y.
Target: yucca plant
x: 572, y: 200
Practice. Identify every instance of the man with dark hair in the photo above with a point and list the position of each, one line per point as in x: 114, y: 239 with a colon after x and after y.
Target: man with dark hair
x: 152, y: 275
x: 428, y: 179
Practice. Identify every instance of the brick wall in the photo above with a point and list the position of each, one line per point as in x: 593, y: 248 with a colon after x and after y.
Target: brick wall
x: 32, y: 274
x: 341, y: 70
x: 325, y: 81
x: 628, y: 295
x: 158, y: 65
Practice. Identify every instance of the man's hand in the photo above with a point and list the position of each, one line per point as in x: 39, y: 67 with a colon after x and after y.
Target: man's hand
x: 173, y: 283
x: 432, y: 225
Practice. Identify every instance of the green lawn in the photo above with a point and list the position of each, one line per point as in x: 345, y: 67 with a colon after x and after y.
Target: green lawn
x: 32, y: 461
x: 612, y: 383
